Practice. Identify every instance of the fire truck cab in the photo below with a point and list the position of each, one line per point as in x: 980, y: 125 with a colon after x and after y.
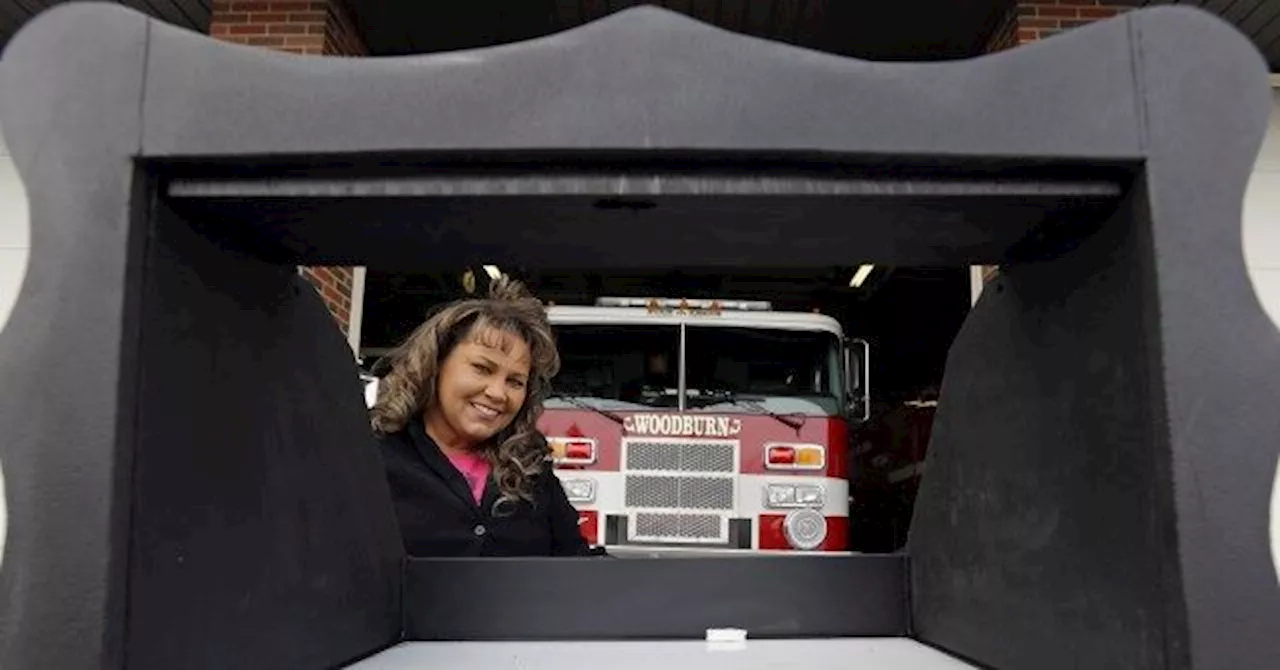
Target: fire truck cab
x: 705, y: 425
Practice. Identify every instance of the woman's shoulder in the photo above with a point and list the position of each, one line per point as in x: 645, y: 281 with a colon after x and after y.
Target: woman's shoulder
x: 545, y: 480
x: 394, y: 444
x: 391, y: 437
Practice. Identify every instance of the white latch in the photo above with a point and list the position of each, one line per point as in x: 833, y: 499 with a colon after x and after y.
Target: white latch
x: 726, y: 639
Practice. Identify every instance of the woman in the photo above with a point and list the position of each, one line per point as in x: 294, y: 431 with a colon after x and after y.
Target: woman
x: 470, y: 474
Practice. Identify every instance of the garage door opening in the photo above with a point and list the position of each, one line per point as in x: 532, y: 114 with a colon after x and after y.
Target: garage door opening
x: 705, y: 216
x: 847, y: 365
x: 906, y: 317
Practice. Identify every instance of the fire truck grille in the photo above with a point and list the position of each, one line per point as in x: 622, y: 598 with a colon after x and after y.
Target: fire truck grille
x: 680, y: 490
x: 681, y: 456
x: 678, y: 527
x: 658, y: 491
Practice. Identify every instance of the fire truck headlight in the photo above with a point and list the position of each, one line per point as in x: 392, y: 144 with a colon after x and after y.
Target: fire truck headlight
x: 809, y: 495
x: 580, y: 490
x: 780, y: 495
x: 793, y: 495
x: 805, y: 529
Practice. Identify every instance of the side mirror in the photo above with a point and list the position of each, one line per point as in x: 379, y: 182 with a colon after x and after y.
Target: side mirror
x: 857, y: 375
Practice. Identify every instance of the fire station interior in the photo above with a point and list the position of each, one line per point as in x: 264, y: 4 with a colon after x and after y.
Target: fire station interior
x: 907, y: 315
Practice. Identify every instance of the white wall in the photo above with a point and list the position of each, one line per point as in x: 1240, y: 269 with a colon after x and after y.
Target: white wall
x: 15, y: 238
x: 1262, y: 219
x: 1262, y: 253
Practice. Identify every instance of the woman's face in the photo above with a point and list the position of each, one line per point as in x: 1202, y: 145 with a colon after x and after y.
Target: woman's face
x: 481, y: 386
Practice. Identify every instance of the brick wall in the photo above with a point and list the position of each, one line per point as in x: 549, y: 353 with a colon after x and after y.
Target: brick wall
x: 307, y: 27
x: 1038, y: 19
x: 1031, y: 20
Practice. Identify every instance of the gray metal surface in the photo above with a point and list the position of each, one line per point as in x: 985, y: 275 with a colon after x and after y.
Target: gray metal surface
x: 528, y: 96
x: 673, y: 491
x: 638, y: 184
x: 816, y: 654
x: 674, y: 455
x: 677, y: 527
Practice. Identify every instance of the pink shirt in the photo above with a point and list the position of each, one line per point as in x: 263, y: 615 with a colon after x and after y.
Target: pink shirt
x: 474, y: 469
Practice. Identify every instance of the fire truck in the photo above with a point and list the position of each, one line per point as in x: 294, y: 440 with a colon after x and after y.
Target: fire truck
x: 705, y: 425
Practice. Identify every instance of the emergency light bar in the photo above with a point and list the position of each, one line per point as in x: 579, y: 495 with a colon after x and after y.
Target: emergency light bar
x: 687, y: 304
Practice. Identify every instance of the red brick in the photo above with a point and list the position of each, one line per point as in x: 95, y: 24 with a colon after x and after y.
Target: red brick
x: 304, y: 41
x: 1067, y: 12
x: 308, y: 17
x: 269, y: 17
x: 296, y: 6
x: 1098, y: 12
x: 287, y: 29
x: 1028, y: 35
x: 1076, y: 23
x: 250, y: 6
x: 1038, y: 23
x: 249, y: 29
x: 232, y: 17
x: 265, y: 41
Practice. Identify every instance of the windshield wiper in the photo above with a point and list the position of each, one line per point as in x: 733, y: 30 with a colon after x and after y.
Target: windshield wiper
x: 582, y: 404
x: 753, y: 405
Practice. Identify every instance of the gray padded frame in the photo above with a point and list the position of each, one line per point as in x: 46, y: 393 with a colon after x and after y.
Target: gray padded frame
x: 1099, y: 500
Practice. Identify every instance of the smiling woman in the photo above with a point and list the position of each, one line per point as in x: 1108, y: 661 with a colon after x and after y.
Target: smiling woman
x: 469, y: 471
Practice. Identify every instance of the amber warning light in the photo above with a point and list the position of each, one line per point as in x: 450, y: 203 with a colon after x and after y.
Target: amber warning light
x: 573, y: 450
x: 795, y: 457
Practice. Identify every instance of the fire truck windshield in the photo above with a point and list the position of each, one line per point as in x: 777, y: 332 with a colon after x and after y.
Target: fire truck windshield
x: 726, y: 368
x: 781, y: 370
x: 633, y: 364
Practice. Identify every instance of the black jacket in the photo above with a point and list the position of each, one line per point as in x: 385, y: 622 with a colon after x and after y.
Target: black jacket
x: 439, y: 516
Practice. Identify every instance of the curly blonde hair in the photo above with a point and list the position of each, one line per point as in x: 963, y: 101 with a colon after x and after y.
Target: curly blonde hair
x: 518, y: 452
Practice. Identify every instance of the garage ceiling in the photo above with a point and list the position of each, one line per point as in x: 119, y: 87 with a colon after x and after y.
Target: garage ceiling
x: 875, y: 30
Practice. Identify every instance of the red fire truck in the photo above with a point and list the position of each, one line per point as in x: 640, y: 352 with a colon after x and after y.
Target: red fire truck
x: 710, y: 425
